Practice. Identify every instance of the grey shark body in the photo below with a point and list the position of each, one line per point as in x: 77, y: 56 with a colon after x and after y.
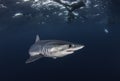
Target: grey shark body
x: 51, y: 48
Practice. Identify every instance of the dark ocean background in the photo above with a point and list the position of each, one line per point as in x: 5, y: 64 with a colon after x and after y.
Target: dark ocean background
x: 98, y: 61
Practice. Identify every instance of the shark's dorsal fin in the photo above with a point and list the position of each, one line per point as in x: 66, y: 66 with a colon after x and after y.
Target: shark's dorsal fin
x: 37, y: 38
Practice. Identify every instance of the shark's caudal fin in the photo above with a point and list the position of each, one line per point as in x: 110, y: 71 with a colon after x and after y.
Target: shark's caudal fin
x: 33, y: 58
x: 71, y: 16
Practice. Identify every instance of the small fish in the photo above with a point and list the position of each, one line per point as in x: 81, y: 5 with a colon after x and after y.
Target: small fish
x: 19, y: 14
x: 106, y: 31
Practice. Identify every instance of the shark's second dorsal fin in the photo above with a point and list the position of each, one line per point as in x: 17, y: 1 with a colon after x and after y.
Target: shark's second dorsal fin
x: 37, y: 38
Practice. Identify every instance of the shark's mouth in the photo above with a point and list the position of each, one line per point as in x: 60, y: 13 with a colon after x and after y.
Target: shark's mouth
x: 70, y: 50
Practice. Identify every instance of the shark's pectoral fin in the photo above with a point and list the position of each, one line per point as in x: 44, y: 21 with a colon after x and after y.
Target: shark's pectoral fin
x: 33, y: 58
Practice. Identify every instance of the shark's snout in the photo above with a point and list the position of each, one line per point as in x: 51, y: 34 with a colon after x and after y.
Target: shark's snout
x: 80, y: 47
x: 76, y: 47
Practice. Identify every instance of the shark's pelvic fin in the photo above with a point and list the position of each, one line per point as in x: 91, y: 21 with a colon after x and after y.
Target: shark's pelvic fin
x: 33, y: 58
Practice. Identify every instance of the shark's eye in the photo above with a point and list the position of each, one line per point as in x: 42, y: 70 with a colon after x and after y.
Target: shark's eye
x: 70, y: 45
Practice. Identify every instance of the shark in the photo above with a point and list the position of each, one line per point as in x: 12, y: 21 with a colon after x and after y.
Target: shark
x: 51, y: 48
x: 71, y: 7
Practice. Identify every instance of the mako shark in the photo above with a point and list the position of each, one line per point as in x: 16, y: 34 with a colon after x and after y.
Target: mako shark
x: 51, y: 48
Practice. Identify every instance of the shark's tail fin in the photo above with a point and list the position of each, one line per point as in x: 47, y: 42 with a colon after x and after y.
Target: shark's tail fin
x: 33, y: 58
x: 71, y: 16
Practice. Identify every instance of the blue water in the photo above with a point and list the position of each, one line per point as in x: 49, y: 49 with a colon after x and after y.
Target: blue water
x: 98, y: 61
